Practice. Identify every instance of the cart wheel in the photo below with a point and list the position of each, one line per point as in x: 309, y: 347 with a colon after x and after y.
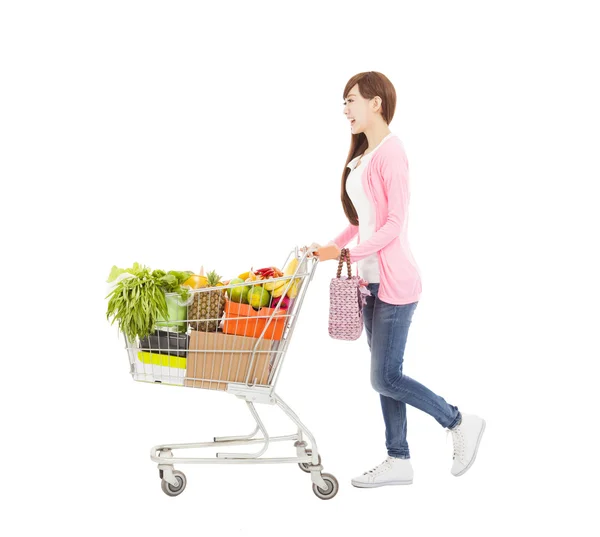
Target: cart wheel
x: 169, y: 489
x: 332, y: 487
x: 305, y: 466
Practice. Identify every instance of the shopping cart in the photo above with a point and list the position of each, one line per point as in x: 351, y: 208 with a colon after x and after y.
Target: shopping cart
x: 227, y: 345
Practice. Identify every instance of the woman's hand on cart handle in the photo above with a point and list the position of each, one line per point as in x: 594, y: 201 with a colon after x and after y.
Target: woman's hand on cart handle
x: 324, y: 253
x: 311, y: 249
x: 331, y: 251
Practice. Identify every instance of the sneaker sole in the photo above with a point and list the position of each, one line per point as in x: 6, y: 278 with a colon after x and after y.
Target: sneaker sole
x: 474, y: 454
x: 373, y: 485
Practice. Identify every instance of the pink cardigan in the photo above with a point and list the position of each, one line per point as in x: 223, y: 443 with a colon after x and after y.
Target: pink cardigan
x: 386, y: 184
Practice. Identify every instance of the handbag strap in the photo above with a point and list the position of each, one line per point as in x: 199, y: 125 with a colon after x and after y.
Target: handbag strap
x: 344, y: 252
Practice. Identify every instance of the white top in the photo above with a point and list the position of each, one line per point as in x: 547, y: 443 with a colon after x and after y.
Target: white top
x: 367, y: 268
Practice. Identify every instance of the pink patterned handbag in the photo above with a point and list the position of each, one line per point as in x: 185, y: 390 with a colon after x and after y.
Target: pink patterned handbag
x: 346, y: 301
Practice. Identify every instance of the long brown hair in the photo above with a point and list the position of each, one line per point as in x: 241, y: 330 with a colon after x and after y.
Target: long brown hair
x: 370, y: 84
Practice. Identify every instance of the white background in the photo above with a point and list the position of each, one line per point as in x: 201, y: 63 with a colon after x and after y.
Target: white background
x: 178, y: 135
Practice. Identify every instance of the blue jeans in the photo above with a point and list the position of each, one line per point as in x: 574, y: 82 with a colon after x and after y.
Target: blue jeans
x: 387, y: 330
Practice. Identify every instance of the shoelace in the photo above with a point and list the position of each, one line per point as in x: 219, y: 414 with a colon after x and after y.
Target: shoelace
x: 458, y: 441
x: 379, y: 467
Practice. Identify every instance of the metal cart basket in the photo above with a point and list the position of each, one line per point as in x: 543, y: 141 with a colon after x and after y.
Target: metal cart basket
x: 221, y: 344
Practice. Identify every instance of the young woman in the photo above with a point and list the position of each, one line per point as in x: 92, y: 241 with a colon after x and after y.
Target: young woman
x: 375, y: 196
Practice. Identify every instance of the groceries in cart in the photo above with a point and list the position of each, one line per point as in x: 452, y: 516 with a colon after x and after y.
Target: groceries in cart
x: 198, y: 330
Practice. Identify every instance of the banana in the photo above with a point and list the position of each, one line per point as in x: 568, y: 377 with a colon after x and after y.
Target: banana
x: 293, y: 290
x: 279, y: 290
x: 271, y: 286
x: 291, y: 267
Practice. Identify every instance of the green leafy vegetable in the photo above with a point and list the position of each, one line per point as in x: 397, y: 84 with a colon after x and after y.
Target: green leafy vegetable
x: 116, y: 271
x: 171, y: 283
x: 137, y: 302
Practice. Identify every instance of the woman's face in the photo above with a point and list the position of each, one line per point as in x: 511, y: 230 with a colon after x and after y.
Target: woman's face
x: 359, y: 109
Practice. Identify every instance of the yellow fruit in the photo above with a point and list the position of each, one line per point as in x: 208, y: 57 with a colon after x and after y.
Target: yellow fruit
x: 244, y: 275
x: 291, y: 267
x: 271, y: 286
x: 196, y: 282
x: 278, y: 291
x: 293, y: 290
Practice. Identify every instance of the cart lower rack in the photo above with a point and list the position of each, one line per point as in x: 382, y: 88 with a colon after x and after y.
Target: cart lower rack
x: 217, y: 341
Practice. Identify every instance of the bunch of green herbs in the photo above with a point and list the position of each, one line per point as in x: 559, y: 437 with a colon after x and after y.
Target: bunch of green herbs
x: 138, y: 299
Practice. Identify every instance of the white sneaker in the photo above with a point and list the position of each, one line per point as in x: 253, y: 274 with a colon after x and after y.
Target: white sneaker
x: 392, y: 471
x: 466, y: 438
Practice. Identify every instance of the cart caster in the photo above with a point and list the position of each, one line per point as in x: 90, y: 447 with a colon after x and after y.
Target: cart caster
x: 169, y: 489
x: 332, y: 487
x: 305, y: 466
